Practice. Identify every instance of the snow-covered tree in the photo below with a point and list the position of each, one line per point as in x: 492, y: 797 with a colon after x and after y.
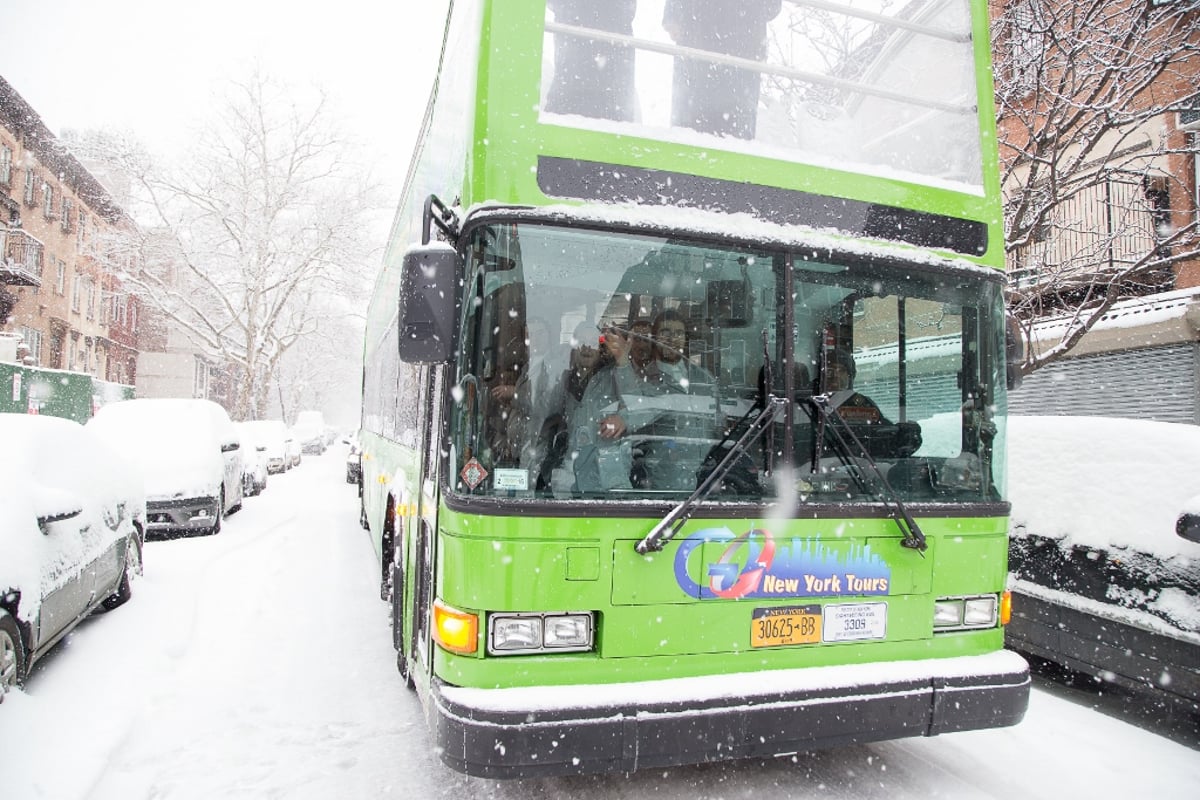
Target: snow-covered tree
x: 324, y: 372
x: 260, y: 236
x: 1097, y: 207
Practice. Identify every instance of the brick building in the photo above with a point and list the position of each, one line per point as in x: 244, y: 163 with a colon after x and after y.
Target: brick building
x: 1124, y: 189
x: 58, y: 232
x: 1127, y: 182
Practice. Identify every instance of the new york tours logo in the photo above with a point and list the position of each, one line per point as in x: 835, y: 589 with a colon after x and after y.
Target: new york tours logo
x: 754, y: 565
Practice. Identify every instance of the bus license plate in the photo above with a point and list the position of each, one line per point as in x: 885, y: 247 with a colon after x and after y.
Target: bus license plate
x: 852, y: 622
x: 774, y: 627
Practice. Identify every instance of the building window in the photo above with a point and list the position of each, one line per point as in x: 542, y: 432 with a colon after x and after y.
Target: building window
x: 66, y: 218
x: 60, y: 284
x: 30, y: 184
x: 77, y: 294
x: 120, y: 307
x: 89, y: 298
x: 6, y: 159
x: 47, y: 200
x: 33, y: 338
x: 1025, y: 23
x: 82, y: 229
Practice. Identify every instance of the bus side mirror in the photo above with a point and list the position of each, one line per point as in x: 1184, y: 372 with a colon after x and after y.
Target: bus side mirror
x: 1014, y: 351
x: 1188, y: 526
x: 428, y: 299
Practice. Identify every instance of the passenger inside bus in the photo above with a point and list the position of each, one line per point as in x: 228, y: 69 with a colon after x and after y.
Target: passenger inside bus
x: 882, y: 437
x: 545, y: 435
x: 593, y: 78
x: 631, y: 430
x: 718, y: 98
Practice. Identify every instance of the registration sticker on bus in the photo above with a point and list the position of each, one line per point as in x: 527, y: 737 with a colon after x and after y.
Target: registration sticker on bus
x: 851, y: 622
x: 775, y: 627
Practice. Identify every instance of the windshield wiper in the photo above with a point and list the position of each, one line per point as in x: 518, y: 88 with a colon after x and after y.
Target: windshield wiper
x: 842, y: 435
x: 669, y: 526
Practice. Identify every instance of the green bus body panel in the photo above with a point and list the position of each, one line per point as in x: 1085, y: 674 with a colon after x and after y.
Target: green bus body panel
x: 509, y: 138
x: 387, y: 467
x: 599, y: 668
x: 525, y: 564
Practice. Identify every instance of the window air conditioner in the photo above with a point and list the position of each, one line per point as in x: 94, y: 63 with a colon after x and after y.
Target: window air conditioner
x: 1189, y: 119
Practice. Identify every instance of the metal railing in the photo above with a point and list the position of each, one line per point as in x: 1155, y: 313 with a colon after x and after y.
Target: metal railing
x: 21, y: 258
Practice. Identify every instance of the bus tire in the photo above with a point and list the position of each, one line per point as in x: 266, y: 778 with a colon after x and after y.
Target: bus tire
x: 387, y: 552
x: 398, y: 639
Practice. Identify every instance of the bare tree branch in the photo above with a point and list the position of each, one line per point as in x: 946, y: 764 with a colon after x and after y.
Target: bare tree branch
x: 1086, y: 91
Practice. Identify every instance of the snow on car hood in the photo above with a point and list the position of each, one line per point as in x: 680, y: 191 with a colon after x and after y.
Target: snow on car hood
x: 177, y: 455
x: 187, y: 472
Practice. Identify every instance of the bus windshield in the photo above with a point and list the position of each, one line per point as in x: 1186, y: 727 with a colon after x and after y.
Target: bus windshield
x: 872, y: 86
x: 620, y: 365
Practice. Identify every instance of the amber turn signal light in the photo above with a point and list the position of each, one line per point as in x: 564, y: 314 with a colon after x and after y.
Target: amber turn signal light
x: 456, y: 631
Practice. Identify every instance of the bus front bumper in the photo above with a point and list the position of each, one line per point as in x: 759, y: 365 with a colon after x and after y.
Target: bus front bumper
x: 562, y: 730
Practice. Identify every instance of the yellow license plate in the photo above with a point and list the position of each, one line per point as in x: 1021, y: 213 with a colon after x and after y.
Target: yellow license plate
x: 773, y: 627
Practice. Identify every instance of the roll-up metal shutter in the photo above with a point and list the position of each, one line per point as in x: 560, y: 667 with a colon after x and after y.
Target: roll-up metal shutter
x: 1158, y: 383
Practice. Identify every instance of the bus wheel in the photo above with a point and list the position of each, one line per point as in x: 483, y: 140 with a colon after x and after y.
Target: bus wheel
x: 398, y: 625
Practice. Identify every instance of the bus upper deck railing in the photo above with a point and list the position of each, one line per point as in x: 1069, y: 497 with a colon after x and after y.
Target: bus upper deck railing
x: 758, y: 66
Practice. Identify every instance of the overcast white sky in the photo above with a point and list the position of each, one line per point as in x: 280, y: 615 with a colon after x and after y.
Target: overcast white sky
x: 151, y: 66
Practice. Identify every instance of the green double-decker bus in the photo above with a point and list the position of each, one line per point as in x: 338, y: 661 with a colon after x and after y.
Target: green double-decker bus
x: 685, y: 385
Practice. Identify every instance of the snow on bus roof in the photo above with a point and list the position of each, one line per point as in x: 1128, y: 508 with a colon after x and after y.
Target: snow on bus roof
x: 739, y: 226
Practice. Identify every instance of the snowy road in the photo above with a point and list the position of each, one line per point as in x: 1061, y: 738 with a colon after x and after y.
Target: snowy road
x: 258, y: 664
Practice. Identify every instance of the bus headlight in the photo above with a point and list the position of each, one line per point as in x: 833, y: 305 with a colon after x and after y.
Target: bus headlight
x: 979, y: 612
x: 965, y: 613
x: 947, y: 613
x: 512, y: 634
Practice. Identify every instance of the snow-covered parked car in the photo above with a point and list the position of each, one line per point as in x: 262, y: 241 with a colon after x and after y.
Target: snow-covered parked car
x: 72, y: 516
x: 354, y: 463
x: 189, y: 455
x: 310, y: 437
x: 273, y: 435
x: 1103, y: 583
x: 254, y: 465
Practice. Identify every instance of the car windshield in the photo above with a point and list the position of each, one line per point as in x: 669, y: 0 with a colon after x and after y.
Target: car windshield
x: 611, y: 364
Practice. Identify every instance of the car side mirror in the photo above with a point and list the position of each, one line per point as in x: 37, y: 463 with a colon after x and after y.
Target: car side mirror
x: 63, y: 504
x: 1188, y: 526
x: 58, y: 516
x: 428, y: 304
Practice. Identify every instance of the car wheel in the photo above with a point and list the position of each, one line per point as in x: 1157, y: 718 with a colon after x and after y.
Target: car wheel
x: 216, y: 526
x: 133, y: 564
x: 12, y: 654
